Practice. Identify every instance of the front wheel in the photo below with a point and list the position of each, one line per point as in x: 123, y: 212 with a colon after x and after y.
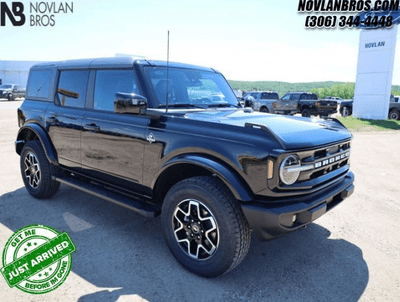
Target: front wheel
x: 264, y: 109
x: 345, y: 112
x: 10, y: 97
x: 37, y: 172
x: 205, y: 229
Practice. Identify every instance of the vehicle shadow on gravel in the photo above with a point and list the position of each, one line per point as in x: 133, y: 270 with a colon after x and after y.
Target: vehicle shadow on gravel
x: 125, y: 255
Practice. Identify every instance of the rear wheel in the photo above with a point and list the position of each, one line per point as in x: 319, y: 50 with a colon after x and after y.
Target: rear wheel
x: 37, y: 172
x: 306, y: 112
x: 264, y: 109
x: 204, y: 227
x: 394, y: 114
x: 10, y: 97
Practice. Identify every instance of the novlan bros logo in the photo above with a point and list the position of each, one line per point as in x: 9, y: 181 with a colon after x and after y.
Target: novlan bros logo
x: 41, y: 13
x: 16, y: 11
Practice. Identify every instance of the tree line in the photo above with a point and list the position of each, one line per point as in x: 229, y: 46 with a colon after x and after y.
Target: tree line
x: 322, y: 89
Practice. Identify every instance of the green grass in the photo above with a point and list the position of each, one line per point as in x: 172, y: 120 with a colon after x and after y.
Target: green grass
x: 363, y: 125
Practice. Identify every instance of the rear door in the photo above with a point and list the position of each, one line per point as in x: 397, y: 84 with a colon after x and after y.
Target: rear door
x: 64, y: 116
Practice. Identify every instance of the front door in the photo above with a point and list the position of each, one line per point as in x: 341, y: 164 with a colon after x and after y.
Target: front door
x: 112, y: 143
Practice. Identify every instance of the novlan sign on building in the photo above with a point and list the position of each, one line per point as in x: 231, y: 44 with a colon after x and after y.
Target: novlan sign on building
x: 375, y: 63
x: 374, y: 73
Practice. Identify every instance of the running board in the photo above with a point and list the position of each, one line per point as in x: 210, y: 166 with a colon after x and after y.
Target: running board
x: 139, y: 206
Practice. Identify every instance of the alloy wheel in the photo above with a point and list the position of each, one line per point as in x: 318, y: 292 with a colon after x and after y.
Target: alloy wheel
x: 195, y: 229
x: 32, y: 170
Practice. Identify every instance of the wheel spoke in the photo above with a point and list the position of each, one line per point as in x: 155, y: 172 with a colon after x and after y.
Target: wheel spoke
x: 32, y: 170
x: 195, y: 229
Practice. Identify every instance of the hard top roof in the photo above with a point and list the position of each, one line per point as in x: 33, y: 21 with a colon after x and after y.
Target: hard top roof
x: 115, y: 62
x: 264, y: 91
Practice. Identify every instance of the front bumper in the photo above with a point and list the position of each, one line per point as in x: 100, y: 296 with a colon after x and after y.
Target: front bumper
x: 272, y: 220
x: 286, y: 112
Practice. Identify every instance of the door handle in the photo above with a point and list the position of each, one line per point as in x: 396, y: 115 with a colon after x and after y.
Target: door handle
x: 91, y: 127
x: 51, y: 119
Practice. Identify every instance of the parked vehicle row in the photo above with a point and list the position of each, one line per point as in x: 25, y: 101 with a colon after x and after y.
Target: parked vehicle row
x: 11, y: 91
x: 291, y: 103
x: 346, y: 108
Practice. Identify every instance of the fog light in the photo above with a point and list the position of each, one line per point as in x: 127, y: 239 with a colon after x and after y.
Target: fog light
x: 294, y: 218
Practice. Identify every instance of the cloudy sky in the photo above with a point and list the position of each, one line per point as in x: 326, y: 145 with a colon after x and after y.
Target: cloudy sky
x: 245, y: 40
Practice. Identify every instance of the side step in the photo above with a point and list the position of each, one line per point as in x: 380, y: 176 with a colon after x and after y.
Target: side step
x: 139, y: 206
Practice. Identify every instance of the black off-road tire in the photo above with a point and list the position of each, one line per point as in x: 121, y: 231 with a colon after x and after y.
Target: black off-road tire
x: 10, y: 97
x: 394, y: 114
x: 264, y: 109
x: 345, y: 112
x: 227, y: 243
x: 37, y: 171
x: 306, y: 112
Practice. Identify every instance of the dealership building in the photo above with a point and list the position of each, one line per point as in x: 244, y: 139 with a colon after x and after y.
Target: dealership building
x: 15, y: 72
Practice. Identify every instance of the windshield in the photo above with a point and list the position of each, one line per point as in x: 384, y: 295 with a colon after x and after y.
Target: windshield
x: 190, y: 88
x: 5, y: 86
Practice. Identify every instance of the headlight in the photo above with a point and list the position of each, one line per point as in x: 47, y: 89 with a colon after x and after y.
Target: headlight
x: 289, y: 176
x: 290, y: 169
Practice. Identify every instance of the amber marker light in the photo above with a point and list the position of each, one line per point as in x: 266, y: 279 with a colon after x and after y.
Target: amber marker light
x: 270, y: 169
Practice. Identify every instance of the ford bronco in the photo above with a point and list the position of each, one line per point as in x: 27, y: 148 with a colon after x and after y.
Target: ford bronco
x: 170, y: 139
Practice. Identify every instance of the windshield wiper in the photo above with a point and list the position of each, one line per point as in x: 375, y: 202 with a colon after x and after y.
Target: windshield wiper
x: 180, y: 105
x: 222, y: 105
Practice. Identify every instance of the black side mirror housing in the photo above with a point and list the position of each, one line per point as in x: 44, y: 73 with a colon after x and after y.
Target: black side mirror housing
x: 130, y: 103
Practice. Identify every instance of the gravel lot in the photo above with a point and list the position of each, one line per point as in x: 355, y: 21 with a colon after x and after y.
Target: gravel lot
x: 349, y: 254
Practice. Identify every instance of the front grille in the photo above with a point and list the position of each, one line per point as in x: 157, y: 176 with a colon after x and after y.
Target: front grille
x: 325, y: 161
x: 327, y: 165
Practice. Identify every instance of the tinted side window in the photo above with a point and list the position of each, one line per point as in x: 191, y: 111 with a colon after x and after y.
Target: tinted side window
x: 269, y: 96
x: 108, y: 83
x: 286, y: 97
x: 39, y: 84
x: 294, y: 97
x: 72, y: 88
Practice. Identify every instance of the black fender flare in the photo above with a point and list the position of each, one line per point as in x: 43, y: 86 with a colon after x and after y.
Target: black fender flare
x: 232, y: 180
x: 43, y: 137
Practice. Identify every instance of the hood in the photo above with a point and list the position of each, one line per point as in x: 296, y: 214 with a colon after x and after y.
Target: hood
x: 293, y: 132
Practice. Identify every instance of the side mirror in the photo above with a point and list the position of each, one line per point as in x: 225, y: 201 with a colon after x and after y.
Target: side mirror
x: 130, y: 103
x: 249, y: 101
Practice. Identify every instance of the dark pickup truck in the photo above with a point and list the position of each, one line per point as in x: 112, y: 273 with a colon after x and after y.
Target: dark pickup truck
x: 308, y: 104
x: 171, y: 140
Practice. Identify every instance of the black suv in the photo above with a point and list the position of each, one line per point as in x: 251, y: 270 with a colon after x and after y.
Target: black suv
x: 308, y: 104
x: 171, y: 140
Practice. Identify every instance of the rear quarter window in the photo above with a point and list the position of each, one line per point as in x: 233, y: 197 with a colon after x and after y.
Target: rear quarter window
x: 72, y: 88
x: 39, y: 84
x: 269, y: 96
